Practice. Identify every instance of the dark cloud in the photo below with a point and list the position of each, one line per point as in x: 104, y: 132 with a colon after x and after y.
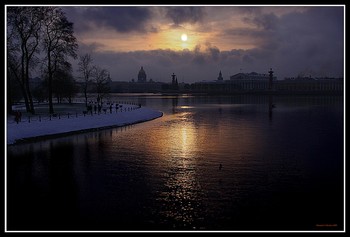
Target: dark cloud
x: 312, y: 41
x: 246, y: 36
x: 248, y: 10
x: 180, y: 15
x: 121, y: 19
x: 266, y: 22
x: 204, y: 55
x: 213, y: 52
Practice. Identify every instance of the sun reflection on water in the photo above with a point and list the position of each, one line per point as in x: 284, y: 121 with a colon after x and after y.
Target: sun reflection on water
x: 188, y: 161
x: 180, y: 194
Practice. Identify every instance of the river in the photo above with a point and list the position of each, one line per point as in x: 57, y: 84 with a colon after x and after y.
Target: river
x: 245, y: 162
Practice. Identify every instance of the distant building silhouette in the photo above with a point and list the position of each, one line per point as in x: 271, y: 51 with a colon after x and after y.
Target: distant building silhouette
x: 270, y: 79
x: 174, y: 83
x: 142, y: 77
x: 220, y: 78
x: 252, y: 81
x: 309, y: 85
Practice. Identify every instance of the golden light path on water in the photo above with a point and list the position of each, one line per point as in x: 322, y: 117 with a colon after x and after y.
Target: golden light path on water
x: 181, y: 191
x: 184, y: 151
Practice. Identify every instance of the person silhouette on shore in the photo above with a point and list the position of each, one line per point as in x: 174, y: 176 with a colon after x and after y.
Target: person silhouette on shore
x: 17, y: 117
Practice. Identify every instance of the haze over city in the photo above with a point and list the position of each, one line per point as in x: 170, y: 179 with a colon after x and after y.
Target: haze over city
x: 196, y: 42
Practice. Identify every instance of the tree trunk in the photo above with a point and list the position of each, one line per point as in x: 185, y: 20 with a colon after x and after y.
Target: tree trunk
x: 86, y: 98
x: 29, y: 94
x: 25, y: 96
x: 9, y: 96
x: 50, y: 98
x: 23, y: 82
x: 51, y: 111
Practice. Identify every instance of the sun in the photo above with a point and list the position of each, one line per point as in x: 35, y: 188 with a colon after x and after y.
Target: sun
x: 184, y: 37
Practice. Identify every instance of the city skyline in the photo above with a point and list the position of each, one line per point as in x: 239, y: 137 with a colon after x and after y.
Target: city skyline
x: 293, y: 40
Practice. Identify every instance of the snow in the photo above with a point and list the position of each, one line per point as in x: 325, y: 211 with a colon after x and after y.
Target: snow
x: 45, y: 127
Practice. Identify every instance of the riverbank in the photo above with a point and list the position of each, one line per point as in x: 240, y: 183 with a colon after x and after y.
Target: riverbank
x: 34, y: 129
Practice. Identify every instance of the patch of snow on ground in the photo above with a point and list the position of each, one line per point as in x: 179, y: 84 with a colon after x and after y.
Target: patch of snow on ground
x: 36, y: 128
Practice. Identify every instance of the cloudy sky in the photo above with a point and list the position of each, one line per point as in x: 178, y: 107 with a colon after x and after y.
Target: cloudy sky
x: 292, y: 40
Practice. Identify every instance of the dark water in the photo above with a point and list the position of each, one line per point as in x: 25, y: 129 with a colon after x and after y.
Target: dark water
x: 280, y: 169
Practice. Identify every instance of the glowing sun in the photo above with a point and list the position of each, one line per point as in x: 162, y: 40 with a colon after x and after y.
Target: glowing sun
x: 184, y: 37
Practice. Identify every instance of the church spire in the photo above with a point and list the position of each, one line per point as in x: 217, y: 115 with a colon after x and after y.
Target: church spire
x: 220, y: 78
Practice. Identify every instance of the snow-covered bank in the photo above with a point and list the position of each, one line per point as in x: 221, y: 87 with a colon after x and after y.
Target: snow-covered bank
x: 34, y: 129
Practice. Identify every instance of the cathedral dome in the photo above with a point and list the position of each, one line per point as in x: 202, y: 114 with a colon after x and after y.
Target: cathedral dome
x: 142, y: 77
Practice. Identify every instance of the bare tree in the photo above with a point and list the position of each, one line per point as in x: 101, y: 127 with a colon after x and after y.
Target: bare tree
x: 86, y: 70
x: 13, y: 81
x: 102, y: 82
x: 23, y: 25
x: 58, y: 42
x: 64, y: 85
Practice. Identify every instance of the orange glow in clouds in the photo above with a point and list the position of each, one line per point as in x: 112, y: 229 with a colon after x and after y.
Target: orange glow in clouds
x: 167, y: 38
x: 175, y: 39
